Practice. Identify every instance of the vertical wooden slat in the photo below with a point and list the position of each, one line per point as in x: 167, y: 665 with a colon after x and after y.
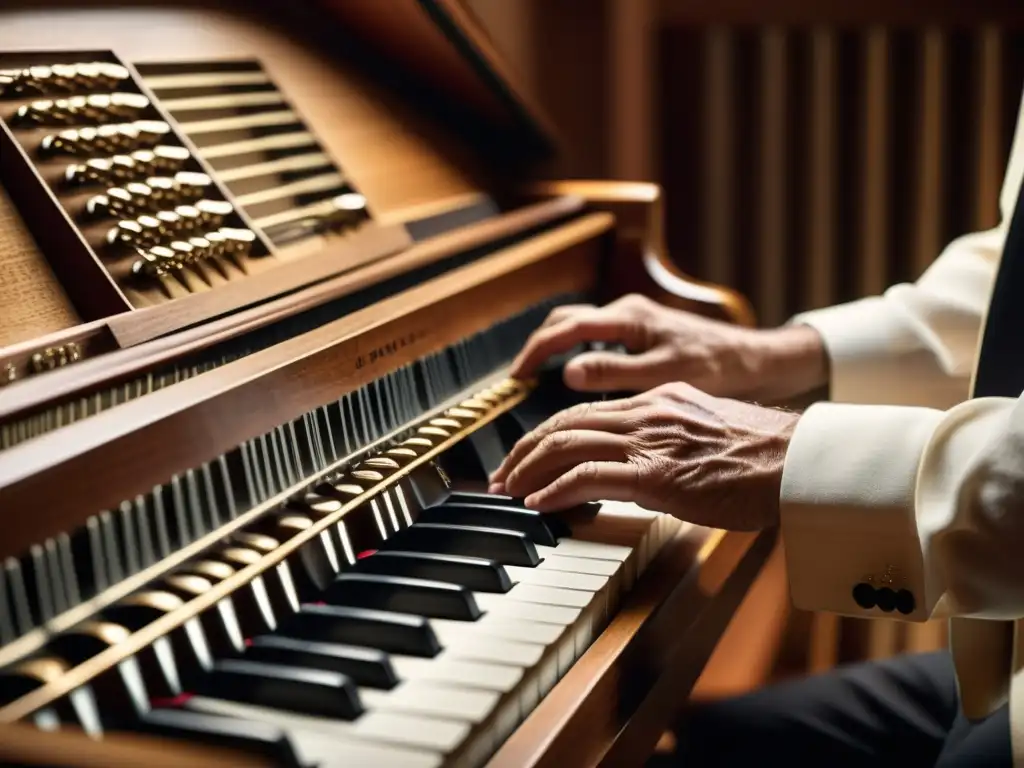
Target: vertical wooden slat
x: 931, y: 131
x: 923, y: 638
x: 873, y: 254
x: 630, y: 106
x: 823, y: 651
x: 990, y: 126
x: 719, y: 163
x: 883, y: 638
x: 821, y: 214
x: 773, y: 194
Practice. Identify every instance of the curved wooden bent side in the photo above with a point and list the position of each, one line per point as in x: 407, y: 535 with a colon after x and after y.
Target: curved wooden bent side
x: 641, y: 263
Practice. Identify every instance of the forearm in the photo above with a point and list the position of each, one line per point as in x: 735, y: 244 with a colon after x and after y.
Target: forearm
x: 796, y: 365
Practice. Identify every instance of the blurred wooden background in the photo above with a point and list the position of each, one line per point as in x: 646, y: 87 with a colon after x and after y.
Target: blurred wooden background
x: 812, y: 151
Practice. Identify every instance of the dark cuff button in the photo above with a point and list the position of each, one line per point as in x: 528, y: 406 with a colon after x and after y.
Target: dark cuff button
x: 905, y: 602
x: 864, y: 595
x: 886, y: 599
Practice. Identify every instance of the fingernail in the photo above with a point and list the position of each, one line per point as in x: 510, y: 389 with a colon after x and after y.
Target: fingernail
x: 532, y: 501
x: 496, y: 488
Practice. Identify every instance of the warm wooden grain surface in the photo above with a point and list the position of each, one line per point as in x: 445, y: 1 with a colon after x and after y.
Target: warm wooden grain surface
x: 32, y: 302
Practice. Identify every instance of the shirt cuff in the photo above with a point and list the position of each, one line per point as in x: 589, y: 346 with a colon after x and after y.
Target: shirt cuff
x: 875, y: 357
x: 847, y: 509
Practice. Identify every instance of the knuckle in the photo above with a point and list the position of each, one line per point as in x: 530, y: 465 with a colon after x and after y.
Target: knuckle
x: 556, y: 441
x: 579, y: 411
x: 636, y: 303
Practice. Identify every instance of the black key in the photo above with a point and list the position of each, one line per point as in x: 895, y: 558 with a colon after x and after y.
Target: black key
x: 507, y: 547
x: 474, y: 573
x: 434, y: 599
x: 308, y: 691
x: 243, y: 735
x: 367, y: 666
x: 392, y: 632
x: 542, y: 529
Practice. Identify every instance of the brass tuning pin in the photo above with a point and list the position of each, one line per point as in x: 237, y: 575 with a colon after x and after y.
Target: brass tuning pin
x: 192, y: 186
x: 61, y: 78
x: 112, y: 138
x: 99, y: 108
x: 237, y: 243
x: 130, y: 200
x: 143, y: 232
x: 122, y: 168
x: 107, y: 170
x: 155, y: 262
x: 189, y: 217
x: 212, y: 213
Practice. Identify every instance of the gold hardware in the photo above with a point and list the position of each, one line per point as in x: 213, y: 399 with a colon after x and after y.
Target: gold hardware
x: 887, y: 579
x: 191, y: 185
x: 50, y: 358
x: 109, y: 139
x: 61, y: 78
x: 98, y: 108
x: 213, y: 212
x: 140, y: 164
x: 9, y: 374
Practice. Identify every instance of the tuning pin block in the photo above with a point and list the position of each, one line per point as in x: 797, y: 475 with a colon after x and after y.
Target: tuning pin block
x: 61, y: 78
x: 99, y: 108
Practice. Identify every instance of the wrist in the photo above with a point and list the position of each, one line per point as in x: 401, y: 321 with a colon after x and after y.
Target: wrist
x: 783, y: 437
x: 794, y: 362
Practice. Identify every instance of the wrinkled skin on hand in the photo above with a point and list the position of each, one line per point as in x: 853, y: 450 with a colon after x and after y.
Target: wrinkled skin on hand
x: 675, y: 449
x: 667, y: 345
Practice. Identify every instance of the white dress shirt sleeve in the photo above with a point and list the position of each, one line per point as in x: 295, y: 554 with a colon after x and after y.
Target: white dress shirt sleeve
x: 916, y: 344
x: 935, y: 498
x: 898, y: 473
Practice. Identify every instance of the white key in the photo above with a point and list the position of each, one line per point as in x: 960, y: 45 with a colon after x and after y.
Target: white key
x: 569, y: 547
x: 418, y: 697
x: 487, y: 640
x: 405, y: 733
x: 581, y: 565
x: 490, y: 627
x: 528, y: 593
x: 448, y: 668
x: 526, y: 610
x: 545, y: 576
